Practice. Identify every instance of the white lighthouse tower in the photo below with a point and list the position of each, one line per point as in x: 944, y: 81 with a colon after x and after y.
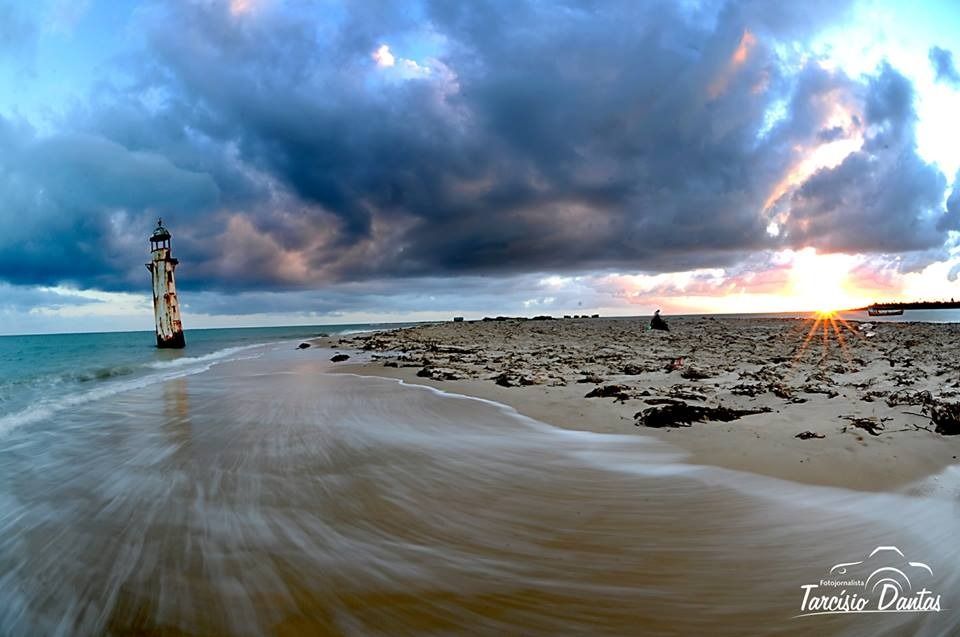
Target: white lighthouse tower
x: 166, y: 308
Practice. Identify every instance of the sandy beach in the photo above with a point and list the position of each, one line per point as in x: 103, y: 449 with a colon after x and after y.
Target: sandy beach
x: 863, y: 390
x: 256, y: 489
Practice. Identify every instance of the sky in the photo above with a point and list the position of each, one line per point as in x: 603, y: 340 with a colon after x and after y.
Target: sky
x: 323, y: 162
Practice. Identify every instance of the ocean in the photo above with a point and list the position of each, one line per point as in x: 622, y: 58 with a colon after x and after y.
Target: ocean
x: 239, y: 487
x: 42, y: 375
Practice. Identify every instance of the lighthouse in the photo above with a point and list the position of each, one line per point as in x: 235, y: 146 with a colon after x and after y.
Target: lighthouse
x: 166, y: 308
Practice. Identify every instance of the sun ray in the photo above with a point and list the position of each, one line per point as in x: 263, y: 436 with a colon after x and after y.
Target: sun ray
x: 841, y: 342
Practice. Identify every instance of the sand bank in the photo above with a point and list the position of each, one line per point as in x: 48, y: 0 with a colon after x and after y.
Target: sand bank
x: 867, y: 392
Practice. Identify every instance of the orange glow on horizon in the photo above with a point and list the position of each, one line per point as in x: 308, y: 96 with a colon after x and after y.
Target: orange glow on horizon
x: 804, y: 281
x: 821, y: 282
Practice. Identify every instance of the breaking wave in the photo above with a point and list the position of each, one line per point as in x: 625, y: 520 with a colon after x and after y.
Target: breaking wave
x: 46, y: 407
x: 219, y: 355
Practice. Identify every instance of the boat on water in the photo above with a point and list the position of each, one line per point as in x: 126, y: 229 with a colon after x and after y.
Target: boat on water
x: 877, y: 311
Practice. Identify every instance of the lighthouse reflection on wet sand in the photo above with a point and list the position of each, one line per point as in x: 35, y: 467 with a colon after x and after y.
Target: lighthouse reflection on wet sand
x: 166, y: 308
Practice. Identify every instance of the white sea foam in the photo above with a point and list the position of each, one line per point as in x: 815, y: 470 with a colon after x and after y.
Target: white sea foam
x: 177, y: 368
x: 212, y: 356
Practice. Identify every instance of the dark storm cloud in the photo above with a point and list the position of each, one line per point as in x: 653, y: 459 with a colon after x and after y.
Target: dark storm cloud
x: 545, y: 136
x: 881, y: 198
x: 69, y: 199
x: 473, y: 295
x: 555, y: 148
x: 943, y: 67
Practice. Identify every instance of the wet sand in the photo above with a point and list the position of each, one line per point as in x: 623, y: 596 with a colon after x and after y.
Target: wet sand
x: 864, y: 390
x: 267, y: 496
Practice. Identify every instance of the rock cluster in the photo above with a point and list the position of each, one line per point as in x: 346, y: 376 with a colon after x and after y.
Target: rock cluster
x: 725, y: 364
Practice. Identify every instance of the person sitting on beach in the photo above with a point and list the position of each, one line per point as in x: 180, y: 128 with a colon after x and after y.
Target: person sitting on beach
x: 657, y: 323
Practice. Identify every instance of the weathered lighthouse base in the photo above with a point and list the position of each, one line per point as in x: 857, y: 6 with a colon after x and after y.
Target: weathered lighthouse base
x: 174, y: 342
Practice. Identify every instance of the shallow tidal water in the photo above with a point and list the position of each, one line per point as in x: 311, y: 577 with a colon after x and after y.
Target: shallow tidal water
x: 264, y: 495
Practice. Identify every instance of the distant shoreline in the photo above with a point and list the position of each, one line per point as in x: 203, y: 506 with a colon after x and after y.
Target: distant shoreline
x: 912, y: 305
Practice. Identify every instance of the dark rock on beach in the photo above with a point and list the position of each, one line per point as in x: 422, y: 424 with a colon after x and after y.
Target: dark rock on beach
x: 946, y: 418
x: 440, y: 373
x: 694, y: 373
x: 609, y: 391
x: 683, y: 415
x: 596, y: 380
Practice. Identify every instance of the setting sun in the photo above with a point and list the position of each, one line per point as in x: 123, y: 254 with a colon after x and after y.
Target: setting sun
x: 821, y: 282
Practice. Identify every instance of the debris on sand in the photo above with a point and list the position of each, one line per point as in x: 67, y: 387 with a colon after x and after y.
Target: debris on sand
x: 674, y: 365
x: 820, y: 388
x: 664, y: 401
x: 339, y: 358
x: 873, y: 394
x: 756, y: 388
x: 748, y: 389
x: 782, y: 391
x: 946, y: 418
x: 517, y: 379
x: 909, y: 397
x: 694, y: 373
x: 635, y: 369
x: 873, y: 426
x: 440, y: 373
x: 303, y: 345
x: 620, y: 392
x: 686, y: 392
x: 683, y: 415
x: 807, y: 435
x: 591, y: 378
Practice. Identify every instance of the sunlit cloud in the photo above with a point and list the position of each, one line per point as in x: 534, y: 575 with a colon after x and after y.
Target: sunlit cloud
x: 788, y: 281
x: 240, y: 7
x: 400, y: 67
x: 827, y: 154
x: 933, y: 282
x: 737, y: 60
x: 383, y: 57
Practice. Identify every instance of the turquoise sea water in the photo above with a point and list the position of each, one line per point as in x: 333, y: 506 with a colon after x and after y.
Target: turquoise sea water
x: 42, y: 375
